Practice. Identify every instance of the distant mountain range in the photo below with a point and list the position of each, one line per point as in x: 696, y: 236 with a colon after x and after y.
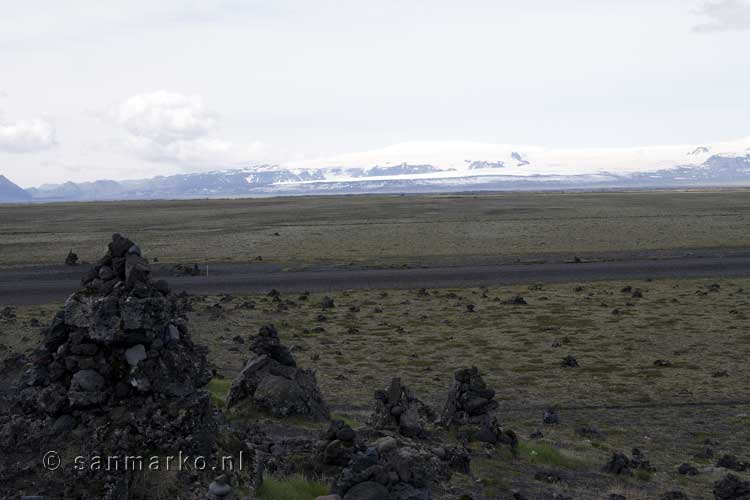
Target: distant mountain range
x: 513, y: 173
x: 11, y: 193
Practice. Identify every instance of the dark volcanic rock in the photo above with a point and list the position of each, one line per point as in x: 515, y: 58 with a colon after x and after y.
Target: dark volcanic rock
x: 570, y: 361
x: 398, y: 409
x: 732, y: 463
x: 398, y: 469
x: 271, y: 382
x: 551, y: 417
x: 732, y: 488
x: 619, y: 464
x: 71, y: 259
x: 687, y: 470
x: 469, y: 399
x: 116, y: 364
x: 674, y: 495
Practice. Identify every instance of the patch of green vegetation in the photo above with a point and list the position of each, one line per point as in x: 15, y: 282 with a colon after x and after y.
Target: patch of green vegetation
x: 643, y: 475
x: 293, y: 487
x: 546, y: 454
x: 219, y: 388
x: 348, y: 421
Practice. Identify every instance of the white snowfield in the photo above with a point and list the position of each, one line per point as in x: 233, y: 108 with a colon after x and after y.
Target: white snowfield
x: 455, y: 158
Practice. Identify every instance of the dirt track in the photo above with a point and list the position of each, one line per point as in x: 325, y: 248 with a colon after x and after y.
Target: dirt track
x: 53, y: 284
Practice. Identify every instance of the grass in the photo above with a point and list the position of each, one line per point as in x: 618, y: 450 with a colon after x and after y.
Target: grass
x: 219, y: 388
x: 380, y: 230
x: 423, y: 338
x: 546, y: 454
x: 291, y: 488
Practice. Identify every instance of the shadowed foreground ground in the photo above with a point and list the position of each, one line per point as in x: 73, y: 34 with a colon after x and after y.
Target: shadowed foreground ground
x: 663, y: 367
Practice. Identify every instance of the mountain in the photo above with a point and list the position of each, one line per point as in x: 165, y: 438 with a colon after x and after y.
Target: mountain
x: 440, y: 167
x: 11, y: 193
x: 270, y: 180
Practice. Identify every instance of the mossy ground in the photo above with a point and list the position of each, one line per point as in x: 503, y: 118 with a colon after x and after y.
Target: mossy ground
x: 382, y: 230
x: 668, y: 409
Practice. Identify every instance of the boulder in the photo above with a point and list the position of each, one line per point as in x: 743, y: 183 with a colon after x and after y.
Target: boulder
x: 732, y: 488
x: 368, y: 490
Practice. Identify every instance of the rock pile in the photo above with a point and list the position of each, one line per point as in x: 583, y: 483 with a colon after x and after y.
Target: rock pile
x: 338, y: 444
x: 272, y: 383
x: 117, y: 362
x: 398, y: 469
x: 732, y: 488
x: 469, y: 401
x: 119, y: 336
x: 71, y: 259
x: 620, y: 464
x: 398, y: 409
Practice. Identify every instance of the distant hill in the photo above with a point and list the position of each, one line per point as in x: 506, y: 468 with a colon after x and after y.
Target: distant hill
x: 696, y: 169
x: 11, y: 193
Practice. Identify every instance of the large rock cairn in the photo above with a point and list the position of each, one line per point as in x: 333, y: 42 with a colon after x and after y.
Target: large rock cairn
x: 397, y: 408
x: 272, y: 383
x: 116, y: 364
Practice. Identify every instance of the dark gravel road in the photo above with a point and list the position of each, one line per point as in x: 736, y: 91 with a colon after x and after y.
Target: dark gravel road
x: 54, y: 284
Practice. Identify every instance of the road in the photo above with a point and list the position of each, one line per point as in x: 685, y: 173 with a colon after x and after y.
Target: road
x: 54, y: 284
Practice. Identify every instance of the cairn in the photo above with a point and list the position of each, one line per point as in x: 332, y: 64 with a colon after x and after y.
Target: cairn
x: 398, y: 409
x: 118, y: 366
x: 469, y: 401
x: 271, y: 381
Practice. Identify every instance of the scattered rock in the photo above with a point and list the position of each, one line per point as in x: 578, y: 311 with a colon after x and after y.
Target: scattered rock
x: 551, y: 417
x: 674, y: 495
x: 71, y: 259
x: 618, y: 464
x: 687, y: 470
x: 219, y: 487
x: 570, y: 361
x: 732, y: 463
x: 732, y: 488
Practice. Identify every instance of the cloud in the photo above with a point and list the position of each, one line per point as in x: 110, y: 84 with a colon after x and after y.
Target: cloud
x: 172, y: 127
x: 165, y: 117
x: 26, y: 136
x: 724, y: 15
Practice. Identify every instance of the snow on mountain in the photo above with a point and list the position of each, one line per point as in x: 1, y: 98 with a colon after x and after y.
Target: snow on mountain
x: 437, y: 167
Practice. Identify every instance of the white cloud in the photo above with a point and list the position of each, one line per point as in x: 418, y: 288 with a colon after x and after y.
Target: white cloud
x: 724, y: 15
x: 26, y: 136
x: 171, y: 127
x: 165, y: 117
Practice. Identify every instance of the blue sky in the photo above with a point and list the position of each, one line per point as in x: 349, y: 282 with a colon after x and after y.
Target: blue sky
x: 131, y: 89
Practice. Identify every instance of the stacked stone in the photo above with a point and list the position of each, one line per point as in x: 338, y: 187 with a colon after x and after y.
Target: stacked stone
x: 392, y: 469
x: 397, y: 408
x: 338, y: 444
x: 470, y: 401
x: 271, y: 381
x: 116, y: 373
x: 117, y: 337
x: 118, y: 341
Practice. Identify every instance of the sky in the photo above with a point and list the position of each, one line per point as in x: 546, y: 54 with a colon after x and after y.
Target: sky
x: 122, y: 90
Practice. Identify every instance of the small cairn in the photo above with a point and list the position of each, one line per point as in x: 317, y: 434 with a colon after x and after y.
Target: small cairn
x: 398, y: 409
x: 271, y: 381
x: 469, y: 401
